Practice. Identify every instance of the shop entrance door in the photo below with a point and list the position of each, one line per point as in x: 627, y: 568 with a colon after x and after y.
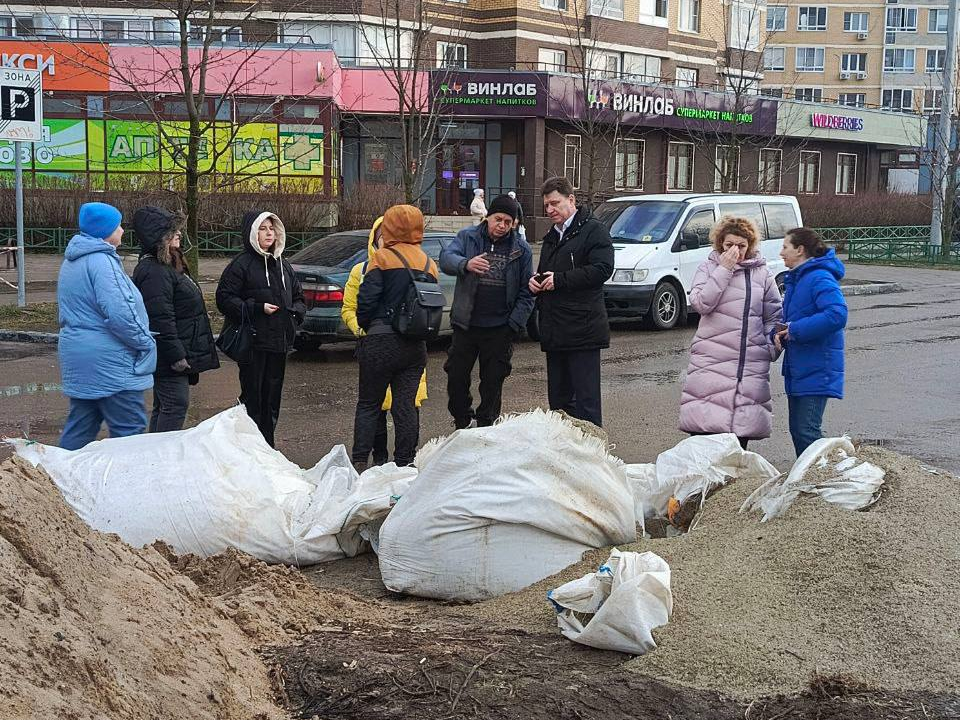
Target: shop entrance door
x: 459, y: 173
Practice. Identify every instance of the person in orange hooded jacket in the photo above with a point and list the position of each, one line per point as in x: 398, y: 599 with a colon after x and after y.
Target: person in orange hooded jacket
x: 387, y: 358
x: 348, y: 313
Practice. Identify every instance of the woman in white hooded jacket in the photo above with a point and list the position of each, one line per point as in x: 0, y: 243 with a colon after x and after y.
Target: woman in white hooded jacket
x: 259, y: 286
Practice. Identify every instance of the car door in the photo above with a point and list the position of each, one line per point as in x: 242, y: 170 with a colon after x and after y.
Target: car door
x: 693, y: 243
x: 432, y: 247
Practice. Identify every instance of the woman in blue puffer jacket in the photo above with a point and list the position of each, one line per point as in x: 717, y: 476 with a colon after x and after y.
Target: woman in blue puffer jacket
x: 107, y: 354
x: 815, y: 314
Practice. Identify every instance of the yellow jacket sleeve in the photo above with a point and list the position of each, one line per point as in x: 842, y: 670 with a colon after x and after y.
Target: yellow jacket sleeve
x: 349, y: 309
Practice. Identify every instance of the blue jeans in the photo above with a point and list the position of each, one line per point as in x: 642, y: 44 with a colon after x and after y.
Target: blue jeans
x: 806, y: 417
x: 124, y: 412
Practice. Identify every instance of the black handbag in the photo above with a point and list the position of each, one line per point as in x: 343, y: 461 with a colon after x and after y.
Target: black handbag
x: 236, y: 339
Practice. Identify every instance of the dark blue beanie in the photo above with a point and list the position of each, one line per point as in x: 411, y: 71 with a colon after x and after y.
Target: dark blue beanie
x: 99, y: 220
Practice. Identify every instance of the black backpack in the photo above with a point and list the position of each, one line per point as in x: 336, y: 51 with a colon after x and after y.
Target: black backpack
x: 418, y: 316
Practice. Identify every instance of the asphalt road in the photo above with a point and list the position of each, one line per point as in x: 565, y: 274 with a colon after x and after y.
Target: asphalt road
x: 902, y: 390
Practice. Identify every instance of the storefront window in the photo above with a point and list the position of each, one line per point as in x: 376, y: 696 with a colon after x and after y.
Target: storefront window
x: 680, y: 166
x: 771, y: 160
x: 727, y: 167
x: 846, y: 174
x: 571, y: 159
x: 630, y: 165
x: 809, y: 183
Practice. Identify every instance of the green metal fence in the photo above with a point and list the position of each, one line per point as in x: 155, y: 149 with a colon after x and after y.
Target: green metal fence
x: 211, y: 242
x: 881, y: 233
x: 891, y: 244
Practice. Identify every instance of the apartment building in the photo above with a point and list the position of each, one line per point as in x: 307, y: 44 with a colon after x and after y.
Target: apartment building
x: 888, y: 55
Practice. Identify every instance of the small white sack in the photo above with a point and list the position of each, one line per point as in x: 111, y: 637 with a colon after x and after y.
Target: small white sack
x: 849, y: 483
x: 696, y: 464
x: 628, y: 597
x: 220, y: 485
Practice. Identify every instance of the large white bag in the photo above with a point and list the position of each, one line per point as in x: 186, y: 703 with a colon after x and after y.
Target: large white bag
x: 496, y: 509
x: 827, y: 468
x: 220, y: 485
x: 627, y: 598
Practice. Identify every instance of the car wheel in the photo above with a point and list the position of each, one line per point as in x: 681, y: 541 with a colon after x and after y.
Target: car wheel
x: 306, y: 343
x: 781, y: 280
x: 665, y: 310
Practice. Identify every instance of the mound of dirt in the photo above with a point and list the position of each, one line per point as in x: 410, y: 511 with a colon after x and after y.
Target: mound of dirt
x: 92, y: 628
x: 760, y: 607
x: 271, y: 603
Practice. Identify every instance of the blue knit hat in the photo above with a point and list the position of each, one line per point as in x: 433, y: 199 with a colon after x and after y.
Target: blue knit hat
x: 99, y: 220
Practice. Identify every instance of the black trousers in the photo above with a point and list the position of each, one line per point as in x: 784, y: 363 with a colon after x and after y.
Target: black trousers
x: 573, y: 384
x: 261, y: 386
x: 171, y: 398
x: 494, y: 348
x: 388, y: 360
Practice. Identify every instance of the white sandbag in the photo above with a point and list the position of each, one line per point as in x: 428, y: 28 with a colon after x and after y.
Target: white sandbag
x: 496, y: 509
x: 696, y: 464
x: 626, y: 599
x: 220, y: 485
x: 827, y: 468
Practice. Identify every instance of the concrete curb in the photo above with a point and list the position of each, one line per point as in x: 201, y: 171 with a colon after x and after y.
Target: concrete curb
x: 871, y: 288
x: 26, y: 336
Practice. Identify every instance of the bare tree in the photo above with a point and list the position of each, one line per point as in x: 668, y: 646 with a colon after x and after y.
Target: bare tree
x: 182, y: 65
x: 399, y: 42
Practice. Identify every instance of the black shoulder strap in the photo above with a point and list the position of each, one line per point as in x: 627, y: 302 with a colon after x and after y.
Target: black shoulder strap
x: 405, y: 263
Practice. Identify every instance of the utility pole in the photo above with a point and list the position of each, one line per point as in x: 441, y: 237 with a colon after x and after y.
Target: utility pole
x: 944, y: 136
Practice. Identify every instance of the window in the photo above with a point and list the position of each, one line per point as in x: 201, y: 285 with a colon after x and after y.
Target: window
x: 377, y: 45
x: 781, y: 218
x: 726, y: 177
x: 776, y: 19
x: 218, y: 33
x: 808, y: 94
x: 687, y: 77
x: 936, y: 60
x: 690, y: 15
x: 809, y: 59
x: 931, y: 101
x: 809, y: 183
x: 774, y: 58
x: 679, y: 166
x: 745, y: 27
x: 605, y: 65
x: 23, y: 27
x: 166, y: 30
x: 749, y: 210
x: 554, y: 4
x: 811, y: 18
x: 901, y: 19
x: 857, y: 22
x: 629, y: 165
x: 549, y: 60
x: 853, y: 62
x: 696, y: 230
x: 645, y: 68
x: 772, y: 92
x: 771, y: 161
x: 846, y: 174
x: 937, y: 21
x: 743, y: 85
x: 897, y: 100
x: 899, y: 60
x: 653, y: 12
x: 852, y: 99
x: 571, y: 159
x: 451, y: 55
x: 94, y: 28
x: 6, y: 26
x: 606, y: 8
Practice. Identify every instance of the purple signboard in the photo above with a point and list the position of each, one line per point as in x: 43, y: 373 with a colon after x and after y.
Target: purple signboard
x: 520, y: 94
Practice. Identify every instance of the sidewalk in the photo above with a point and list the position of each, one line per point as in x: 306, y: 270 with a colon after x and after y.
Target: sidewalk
x: 42, y: 271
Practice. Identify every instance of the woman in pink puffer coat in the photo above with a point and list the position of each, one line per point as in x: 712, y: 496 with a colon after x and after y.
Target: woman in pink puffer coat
x: 727, y: 388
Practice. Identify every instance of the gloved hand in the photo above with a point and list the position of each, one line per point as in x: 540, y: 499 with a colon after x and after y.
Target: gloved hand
x: 180, y: 366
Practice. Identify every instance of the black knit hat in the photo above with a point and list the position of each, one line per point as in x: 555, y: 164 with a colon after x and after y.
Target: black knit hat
x: 504, y: 204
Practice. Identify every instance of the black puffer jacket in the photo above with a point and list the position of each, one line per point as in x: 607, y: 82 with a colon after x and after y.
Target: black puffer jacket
x: 254, y: 278
x: 173, y: 300
x: 573, y: 316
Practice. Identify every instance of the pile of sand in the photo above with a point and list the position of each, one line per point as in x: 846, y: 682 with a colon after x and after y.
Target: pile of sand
x: 758, y: 607
x: 92, y: 628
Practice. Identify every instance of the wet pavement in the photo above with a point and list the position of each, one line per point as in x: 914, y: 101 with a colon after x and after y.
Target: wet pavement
x: 902, y: 387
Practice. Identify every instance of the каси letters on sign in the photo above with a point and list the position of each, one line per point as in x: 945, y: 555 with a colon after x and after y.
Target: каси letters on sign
x: 21, y: 105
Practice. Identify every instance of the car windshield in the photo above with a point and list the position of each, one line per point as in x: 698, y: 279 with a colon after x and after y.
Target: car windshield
x: 646, y: 221
x: 340, y: 250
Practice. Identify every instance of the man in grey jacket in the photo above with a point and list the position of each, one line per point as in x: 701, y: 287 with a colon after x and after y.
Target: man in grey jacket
x: 491, y: 305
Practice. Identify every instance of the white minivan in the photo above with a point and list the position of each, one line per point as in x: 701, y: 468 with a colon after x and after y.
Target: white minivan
x: 660, y: 241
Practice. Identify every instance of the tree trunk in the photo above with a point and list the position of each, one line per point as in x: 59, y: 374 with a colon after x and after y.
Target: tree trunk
x: 193, y: 199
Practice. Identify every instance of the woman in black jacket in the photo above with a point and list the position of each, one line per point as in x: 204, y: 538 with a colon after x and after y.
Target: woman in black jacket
x: 178, y: 316
x: 259, y: 285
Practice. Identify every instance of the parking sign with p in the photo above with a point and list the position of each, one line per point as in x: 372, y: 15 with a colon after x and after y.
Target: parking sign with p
x: 21, y: 114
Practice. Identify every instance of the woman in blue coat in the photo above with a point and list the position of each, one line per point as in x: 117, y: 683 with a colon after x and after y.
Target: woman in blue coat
x: 107, y: 354
x: 815, y: 314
